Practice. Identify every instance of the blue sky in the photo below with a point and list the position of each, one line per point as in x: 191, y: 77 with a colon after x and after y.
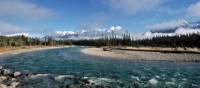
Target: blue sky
x: 40, y: 16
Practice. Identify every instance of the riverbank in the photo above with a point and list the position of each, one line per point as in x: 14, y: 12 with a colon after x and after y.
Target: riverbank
x: 24, y: 49
x: 143, y: 54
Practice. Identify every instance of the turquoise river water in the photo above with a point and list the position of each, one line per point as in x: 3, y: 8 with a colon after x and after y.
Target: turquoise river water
x: 70, y: 61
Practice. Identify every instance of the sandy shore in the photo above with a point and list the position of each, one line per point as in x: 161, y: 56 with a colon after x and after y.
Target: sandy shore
x: 19, y: 50
x: 142, y: 55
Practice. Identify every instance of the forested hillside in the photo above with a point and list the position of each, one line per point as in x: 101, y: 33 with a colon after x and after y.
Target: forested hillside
x: 189, y: 40
x: 27, y: 41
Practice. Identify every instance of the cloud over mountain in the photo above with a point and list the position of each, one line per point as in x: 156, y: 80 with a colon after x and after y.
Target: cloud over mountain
x: 172, y: 28
x: 23, y: 8
x: 167, y: 26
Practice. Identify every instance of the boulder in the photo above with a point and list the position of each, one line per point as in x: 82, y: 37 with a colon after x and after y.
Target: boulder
x: 1, y: 70
x: 14, y: 84
x: 1, y: 67
x: 7, y: 72
x: 3, y: 86
x: 17, y: 74
x: 3, y: 78
x: 25, y: 72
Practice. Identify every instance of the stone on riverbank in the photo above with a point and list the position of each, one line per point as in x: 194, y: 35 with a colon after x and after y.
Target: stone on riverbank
x: 7, y: 72
x: 17, y: 74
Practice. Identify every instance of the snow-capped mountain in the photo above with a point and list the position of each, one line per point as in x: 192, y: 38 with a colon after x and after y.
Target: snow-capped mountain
x: 180, y: 27
x: 90, y: 33
x: 195, y: 25
x: 168, y: 27
x: 18, y: 34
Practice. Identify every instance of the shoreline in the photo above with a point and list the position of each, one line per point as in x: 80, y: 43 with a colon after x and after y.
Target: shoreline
x: 24, y: 49
x: 142, y: 55
x: 163, y: 50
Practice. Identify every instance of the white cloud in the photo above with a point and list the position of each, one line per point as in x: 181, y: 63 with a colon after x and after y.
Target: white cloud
x: 133, y: 6
x: 194, y: 9
x: 6, y: 28
x: 22, y: 8
x: 167, y: 25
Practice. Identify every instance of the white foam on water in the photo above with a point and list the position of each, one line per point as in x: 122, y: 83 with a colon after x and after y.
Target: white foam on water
x: 85, y: 77
x: 153, y: 81
x: 169, y: 83
x: 157, y: 76
x: 184, y: 79
x: 135, y: 78
x: 173, y: 79
x: 101, y: 81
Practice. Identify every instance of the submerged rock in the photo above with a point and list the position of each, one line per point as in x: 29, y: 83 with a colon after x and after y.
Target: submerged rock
x: 39, y: 81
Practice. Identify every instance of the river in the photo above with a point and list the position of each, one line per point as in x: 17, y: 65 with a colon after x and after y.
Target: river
x: 70, y: 61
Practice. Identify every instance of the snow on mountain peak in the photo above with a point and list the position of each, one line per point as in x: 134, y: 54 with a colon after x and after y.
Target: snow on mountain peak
x: 114, y: 28
x: 90, y: 32
x: 184, y: 31
x: 62, y: 33
x: 18, y: 34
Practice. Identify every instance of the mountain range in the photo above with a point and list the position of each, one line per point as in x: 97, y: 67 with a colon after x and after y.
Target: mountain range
x: 179, y: 27
x: 90, y: 33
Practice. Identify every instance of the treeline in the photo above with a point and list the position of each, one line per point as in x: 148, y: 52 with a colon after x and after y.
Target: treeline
x: 106, y: 40
x: 27, y: 41
x: 189, y: 40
